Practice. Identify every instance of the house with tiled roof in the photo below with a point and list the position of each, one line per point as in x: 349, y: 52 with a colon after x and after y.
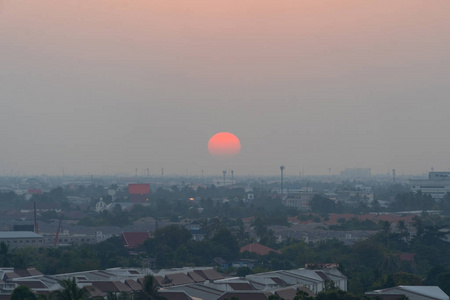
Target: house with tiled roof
x: 187, y: 283
x: 258, y: 249
x: 132, y: 240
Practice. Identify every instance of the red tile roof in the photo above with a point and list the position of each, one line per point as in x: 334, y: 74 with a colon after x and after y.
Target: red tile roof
x: 94, y: 292
x: 134, y: 285
x: 111, y: 286
x: 134, y: 239
x: 196, y: 277
x: 32, y: 284
x: 209, y: 274
x: 258, y: 249
x: 288, y: 293
x: 179, y: 278
x: 175, y: 295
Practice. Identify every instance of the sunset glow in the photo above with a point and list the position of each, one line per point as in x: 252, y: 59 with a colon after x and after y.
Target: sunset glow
x: 339, y: 83
x: 224, y: 144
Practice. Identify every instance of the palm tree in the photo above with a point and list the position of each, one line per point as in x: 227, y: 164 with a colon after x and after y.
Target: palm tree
x: 5, y: 255
x: 70, y: 291
x: 149, y: 290
x: 115, y: 296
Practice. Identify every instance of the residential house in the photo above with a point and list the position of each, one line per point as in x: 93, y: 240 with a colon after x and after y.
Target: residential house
x: 410, y: 292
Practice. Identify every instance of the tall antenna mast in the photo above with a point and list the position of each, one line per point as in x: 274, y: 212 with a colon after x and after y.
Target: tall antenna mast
x: 36, y: 226
x: 281, y: 186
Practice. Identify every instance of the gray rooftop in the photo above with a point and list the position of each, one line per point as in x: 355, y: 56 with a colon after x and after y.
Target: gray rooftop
x: 19, y: 235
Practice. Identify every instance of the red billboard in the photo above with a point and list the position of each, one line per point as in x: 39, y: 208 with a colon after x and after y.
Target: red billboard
x: 138, y: 189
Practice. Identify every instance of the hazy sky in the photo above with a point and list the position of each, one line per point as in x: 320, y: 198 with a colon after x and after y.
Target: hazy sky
x: 107, y: 86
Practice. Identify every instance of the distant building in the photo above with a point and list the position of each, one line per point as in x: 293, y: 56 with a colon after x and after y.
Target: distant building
x: 196, y: 230
x: 139, y: 193
x: 437, y: 184
x: 132, y: 240
x: 41, y: 207
x: 295, y: 190
x: 19, y: 239
x: 300, y: 201
x: 258, y: 249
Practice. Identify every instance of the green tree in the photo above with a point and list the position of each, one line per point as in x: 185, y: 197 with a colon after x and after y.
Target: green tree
x: 402, y: 278
x: 120, y: 296
x: 321, y: 204
x: 149, y: 290
x: 5, y: 255
x: 337, y: 295
x: 70, y: 291
x: 302, y: 295
x: 226, y: 244
x: 173, y: 236
x: 243, y: 271
x: 22, y: 293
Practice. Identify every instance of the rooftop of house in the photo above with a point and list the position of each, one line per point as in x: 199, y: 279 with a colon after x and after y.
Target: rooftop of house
x: 413, y: 292
x: 258, y: 249
x: 134, y: 239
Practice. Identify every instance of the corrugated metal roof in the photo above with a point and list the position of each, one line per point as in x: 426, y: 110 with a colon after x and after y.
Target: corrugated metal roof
x: 432, y: 291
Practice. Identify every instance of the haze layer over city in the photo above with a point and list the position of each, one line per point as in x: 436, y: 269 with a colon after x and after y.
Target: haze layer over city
x: 213, y: 150
x: 105, y: 87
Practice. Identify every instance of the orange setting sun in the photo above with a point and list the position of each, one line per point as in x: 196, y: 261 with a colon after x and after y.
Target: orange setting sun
x: 224, y: 144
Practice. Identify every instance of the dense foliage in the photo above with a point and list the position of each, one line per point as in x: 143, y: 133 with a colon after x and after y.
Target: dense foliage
x: 369, y: 264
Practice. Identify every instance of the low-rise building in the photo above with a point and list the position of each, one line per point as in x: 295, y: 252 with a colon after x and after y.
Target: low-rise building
x: 19, y: 239
x: 190, y: 283
x: 410, y: 292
